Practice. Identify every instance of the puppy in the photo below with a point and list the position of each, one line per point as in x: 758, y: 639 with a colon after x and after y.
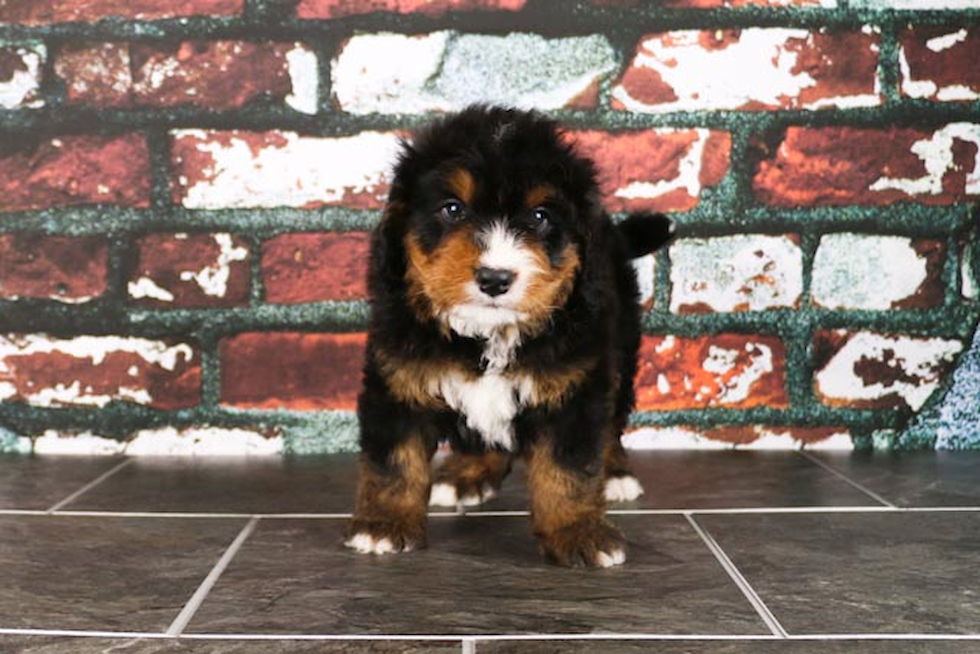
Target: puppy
x: 504, y: 319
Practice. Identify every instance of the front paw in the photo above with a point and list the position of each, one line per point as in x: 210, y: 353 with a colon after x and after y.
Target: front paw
x: 384, y: 536
x: 593, y: 543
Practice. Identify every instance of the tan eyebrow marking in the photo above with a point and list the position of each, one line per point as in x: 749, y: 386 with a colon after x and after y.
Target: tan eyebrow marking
x: 462, y: 184
x: 538, y: 195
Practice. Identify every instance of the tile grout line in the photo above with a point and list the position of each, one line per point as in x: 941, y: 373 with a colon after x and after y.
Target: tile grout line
x: 834, y: 471
x: 197, y: 599
x: 500, y: 514
x: 743, y: 585
x: 89, y: 486
x: 476, y: 638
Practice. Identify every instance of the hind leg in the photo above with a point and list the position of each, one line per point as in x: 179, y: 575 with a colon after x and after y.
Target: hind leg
x: 621, y: 484
x: 469, y: 479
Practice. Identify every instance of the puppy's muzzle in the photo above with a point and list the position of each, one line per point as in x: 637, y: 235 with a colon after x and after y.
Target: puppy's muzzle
x: 494, y: 281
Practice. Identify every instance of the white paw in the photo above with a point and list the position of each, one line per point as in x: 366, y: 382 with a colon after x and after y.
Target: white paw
x: 443, y: 495
x: 608, y: 560
x: 623, y: 489
x: 368, y: 544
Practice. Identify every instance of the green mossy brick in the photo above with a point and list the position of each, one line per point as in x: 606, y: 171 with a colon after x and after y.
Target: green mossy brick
x: 12, y: 443
x: 949, y: 420
x: 884, y: 440
x: 322, y: 433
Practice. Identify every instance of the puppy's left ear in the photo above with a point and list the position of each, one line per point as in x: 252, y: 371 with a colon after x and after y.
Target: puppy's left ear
x: 646, y: 232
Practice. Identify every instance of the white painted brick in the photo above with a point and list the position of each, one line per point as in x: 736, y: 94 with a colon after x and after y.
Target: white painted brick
x: 203, y: 441
x: 748, y: 272
x: 691, y: 438
x: 859, y: 271
x: 968, y: 279
x: 444, y: 71
x: 645, y: 268
x: 704, y: 78
x: 871, y: 368
x: 936, y: 153
x: 20, y: 90
x: 305, y: 77
x: 915, y: 4
x: 283, y: 169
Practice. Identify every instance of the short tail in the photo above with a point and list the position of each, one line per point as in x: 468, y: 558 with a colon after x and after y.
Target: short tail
x: 646, y: 232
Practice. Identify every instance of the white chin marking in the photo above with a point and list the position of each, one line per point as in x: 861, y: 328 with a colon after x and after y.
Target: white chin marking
x: 442, y: 495
x: 623, y: 489
x: 609, y: 559
x: 478, y: 320
x: 368, y: 544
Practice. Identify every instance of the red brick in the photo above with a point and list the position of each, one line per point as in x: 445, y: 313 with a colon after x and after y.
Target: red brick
x: 338, y: 8
x: 42, y: 12
x: 939, y: 63
x: 292, y: 370
x: 95, y: 370
x: 74, y: 170
x: 191, y: 270
x: 719, y: 4
x: 727, y: 370
x: 213, y: 74
x: 829, y: 166
x: 99, y: 74
x: 315, y: 267
x: 656, y: 170
x: 691, y: 70
x: 64, y: 268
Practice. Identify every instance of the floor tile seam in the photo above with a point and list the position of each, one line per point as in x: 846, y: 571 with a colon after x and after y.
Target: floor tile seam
x: 187, y: 613
x: 496, y: 514
x: 156, y: 635
x: 770, y: 620
x: 844, y: 477
x: 89, y: 486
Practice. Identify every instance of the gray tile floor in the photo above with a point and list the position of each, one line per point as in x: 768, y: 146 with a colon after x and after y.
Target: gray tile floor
x: 730, y: 552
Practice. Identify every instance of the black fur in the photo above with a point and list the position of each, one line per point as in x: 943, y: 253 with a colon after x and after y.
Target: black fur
x: 598, y: 327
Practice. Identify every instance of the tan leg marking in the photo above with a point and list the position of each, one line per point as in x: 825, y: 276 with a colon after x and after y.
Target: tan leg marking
x: 567, y: 514
x: 390, y: 509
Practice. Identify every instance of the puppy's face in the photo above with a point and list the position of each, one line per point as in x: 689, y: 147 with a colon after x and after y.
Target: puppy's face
x: 495, y: 223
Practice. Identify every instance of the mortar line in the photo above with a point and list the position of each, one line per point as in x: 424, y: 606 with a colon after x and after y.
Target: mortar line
x: 837, y: 473
x: 197, y: 599
x: 743, y: 585
x: 89, y: 486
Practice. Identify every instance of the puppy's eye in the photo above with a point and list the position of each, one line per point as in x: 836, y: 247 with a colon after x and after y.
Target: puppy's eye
x: 541, y: 216
x: 453, y: 211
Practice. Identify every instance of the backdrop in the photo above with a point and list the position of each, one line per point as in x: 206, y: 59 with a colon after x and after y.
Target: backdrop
x: 186, y: 189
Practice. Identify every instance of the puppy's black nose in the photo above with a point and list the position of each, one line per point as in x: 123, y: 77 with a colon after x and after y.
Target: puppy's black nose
x: 494, y: 281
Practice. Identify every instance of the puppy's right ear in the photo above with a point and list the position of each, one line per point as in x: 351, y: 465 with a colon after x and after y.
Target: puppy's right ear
x: 388, y: 260
x: 387, y: 269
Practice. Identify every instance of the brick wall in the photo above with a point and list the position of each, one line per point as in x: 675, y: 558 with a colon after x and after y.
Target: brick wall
x: 186, y: 189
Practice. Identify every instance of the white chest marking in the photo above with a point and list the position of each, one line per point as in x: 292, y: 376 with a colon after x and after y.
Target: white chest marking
x: 490, y: 402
